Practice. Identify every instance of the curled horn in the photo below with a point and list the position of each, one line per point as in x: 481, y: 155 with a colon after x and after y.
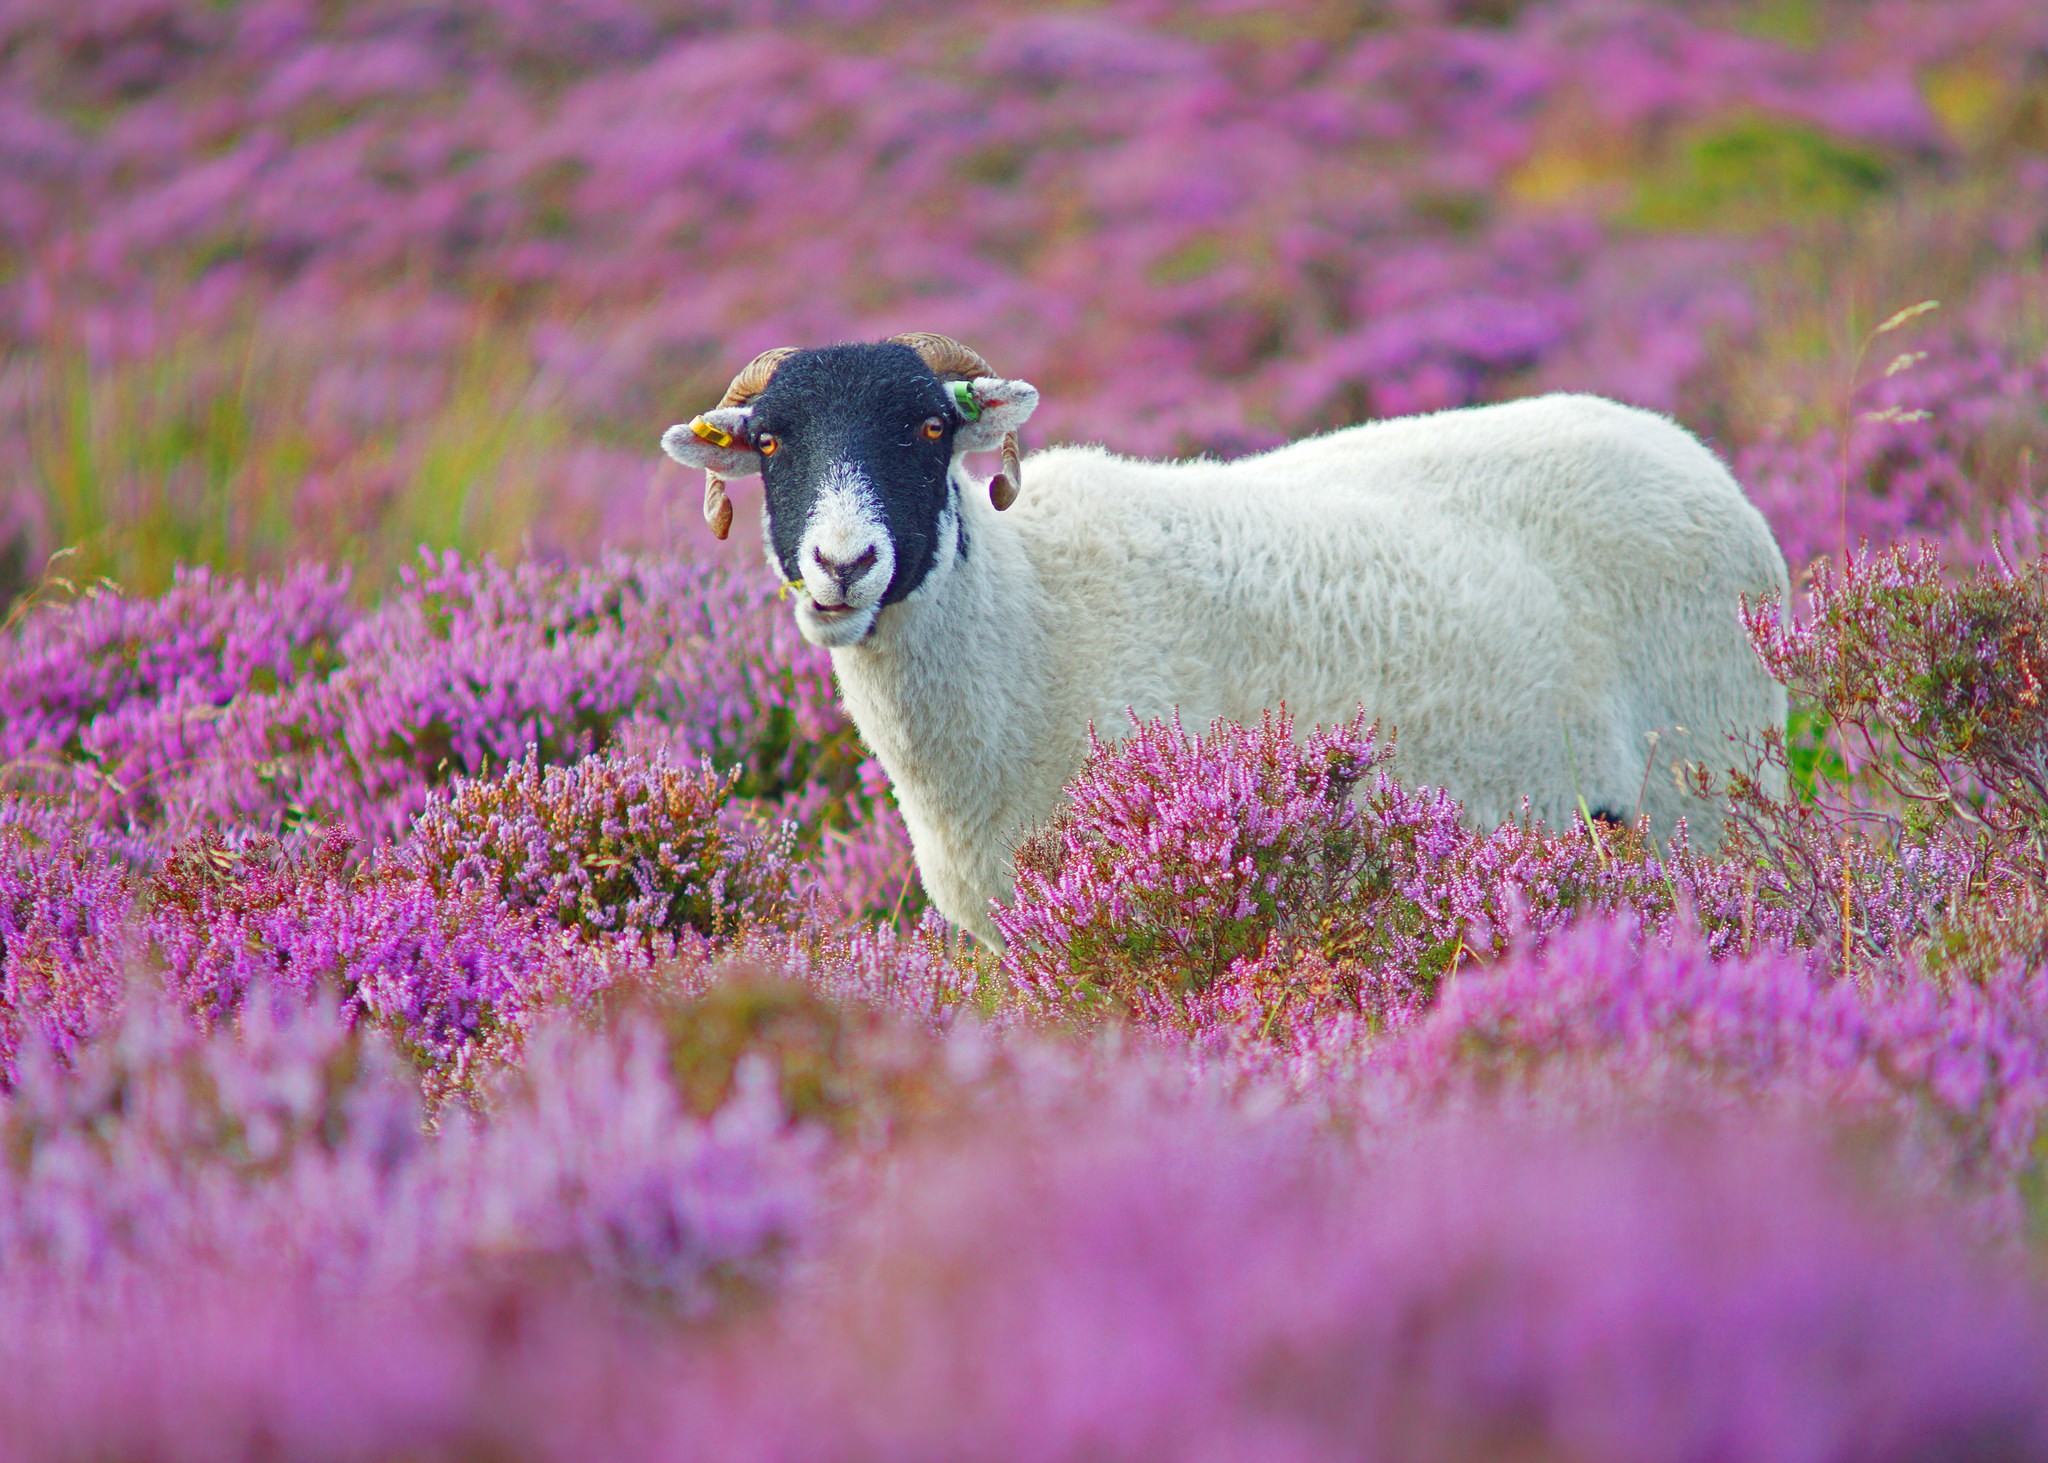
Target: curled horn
x: 750, y: 383
x: 952, y: 361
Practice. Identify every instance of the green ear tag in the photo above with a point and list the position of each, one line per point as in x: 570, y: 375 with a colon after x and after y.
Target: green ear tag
x: 963, y: 397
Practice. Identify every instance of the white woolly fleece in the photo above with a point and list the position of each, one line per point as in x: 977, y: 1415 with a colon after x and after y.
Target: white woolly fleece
x: 1522, y: 594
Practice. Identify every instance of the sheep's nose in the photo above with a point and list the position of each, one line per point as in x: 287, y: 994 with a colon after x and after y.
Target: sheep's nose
x: 844, y: 571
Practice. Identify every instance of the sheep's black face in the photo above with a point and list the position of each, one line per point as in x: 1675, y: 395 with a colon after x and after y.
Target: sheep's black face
x: 856, y: 441
x: 856, y: 444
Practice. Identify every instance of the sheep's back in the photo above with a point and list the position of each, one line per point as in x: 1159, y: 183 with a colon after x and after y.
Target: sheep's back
x: 1494, y: 583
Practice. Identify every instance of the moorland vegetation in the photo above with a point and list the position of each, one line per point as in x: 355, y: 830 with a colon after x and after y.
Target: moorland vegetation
x: 464, y: 990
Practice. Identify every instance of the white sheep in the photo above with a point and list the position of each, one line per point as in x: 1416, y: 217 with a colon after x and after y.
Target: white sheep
x: 1538, y: 599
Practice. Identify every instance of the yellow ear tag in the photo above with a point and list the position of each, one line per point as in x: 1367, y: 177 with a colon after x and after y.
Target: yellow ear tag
x: 705, y: 431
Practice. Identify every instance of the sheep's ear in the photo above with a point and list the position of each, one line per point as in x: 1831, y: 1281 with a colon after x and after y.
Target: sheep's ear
x: 717, y: 441
x: 989, y: 409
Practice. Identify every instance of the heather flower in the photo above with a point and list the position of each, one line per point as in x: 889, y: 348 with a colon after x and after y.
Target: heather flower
x: 611, y: 846
x: 1143, y: 1285
x: 65, y: 946
x: 440, y: 969
x: 1936, y: 686
x: 1242, y: 880
x: 857, y: 846
x: 746, y: 692
x: 458, y: 673
x: 116, y: 698
x: 292, y: 1153
x: 1178, y: 860
x: 930, y: 973
x: 1961, y: 1067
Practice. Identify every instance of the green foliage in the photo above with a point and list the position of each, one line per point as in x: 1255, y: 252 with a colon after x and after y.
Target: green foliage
x: 1757, y: 172
x: 1813, y: 764
x: 1793, y: 22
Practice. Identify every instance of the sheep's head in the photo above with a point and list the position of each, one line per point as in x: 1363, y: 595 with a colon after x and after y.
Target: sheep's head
x: 857, y: 447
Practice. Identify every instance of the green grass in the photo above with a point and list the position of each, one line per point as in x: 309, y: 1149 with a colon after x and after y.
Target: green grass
x: 217, y: 450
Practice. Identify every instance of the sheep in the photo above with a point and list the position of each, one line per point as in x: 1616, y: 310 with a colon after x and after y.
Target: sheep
x: 1538, y: 599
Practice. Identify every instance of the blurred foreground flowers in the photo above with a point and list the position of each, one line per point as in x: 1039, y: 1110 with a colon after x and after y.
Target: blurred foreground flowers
x: 570, y: 1095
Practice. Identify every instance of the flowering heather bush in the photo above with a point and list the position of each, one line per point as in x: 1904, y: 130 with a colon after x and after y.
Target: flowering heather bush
x: 857, y: 1067
x: 117, y: 1161
x: 1153, y: 1279
x: 929, y: 973
x: 1964, y: 1066
x: 1844, y: 883
x: 266, y: 702
x: 293, y: 1153
x: 119, y: 697
x: 65, y: 931
x: 1170, y: 1286
x: 609, y: 846
x: 441, y: 969
x: 1936, y: 685
x: 1214, y: 880
x: 472, y: 281
x: 1934, y: 820
x: 1419, y: 1141
x: 274, y: 704
x: 458, y: 675
x: 1179, y: 860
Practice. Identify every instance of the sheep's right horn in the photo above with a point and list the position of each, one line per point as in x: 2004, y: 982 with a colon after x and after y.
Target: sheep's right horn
x: 717, y: 507
x: 952, y: 361
x: 752, y: 380
x: 754, y: 377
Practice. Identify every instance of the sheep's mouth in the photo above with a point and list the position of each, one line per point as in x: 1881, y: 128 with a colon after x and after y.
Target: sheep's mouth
x: 835, y: 626
x: 826, y: 619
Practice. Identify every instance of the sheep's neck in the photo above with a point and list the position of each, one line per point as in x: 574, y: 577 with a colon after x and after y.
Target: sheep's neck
x: 950, y: 694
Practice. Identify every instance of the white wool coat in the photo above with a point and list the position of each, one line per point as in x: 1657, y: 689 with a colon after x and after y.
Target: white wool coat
x: 1521, y: 594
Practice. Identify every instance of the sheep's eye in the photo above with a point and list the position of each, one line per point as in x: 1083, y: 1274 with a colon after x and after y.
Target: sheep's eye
x: 766, y: 442
x: 934, y: 428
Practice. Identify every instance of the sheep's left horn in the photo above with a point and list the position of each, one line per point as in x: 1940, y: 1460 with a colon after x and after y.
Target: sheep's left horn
x: 949, y: 360
x: 952, y: 361
x: 752, y: 380
x: 1002, y: 488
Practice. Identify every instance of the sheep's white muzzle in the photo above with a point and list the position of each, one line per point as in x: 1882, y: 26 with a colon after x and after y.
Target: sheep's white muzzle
x: 847, y: 561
